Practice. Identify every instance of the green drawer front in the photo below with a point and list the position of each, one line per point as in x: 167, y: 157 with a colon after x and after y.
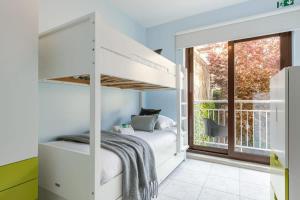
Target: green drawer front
x: 18, y: 173
x: 276, y: 164
x: 26, y: 191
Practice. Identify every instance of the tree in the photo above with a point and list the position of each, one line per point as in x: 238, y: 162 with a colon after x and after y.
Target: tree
x: 256, y: 61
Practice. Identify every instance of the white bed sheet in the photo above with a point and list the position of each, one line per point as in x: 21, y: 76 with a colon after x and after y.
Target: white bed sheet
x: 162, y: 142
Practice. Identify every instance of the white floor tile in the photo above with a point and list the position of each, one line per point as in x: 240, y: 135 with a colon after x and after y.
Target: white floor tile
x: 253, y: 191
x: 189, y: 176
x: 245, y: 198
x: 197, y: 180
x: 255, y: 177
x: 195, y: 165
x: 227, y: 185
x: 181, y: 191
x: 209, y: 194
x: 224, y: 171
x: 164, y: 197
x: 163, y: 185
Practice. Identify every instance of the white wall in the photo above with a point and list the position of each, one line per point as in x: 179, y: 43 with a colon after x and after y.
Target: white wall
x: 18, y: 82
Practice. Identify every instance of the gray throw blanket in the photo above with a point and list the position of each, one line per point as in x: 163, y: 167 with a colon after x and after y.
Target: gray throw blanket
x: 139, y: 172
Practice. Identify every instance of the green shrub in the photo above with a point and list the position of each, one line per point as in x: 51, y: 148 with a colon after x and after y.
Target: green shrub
x: 201, y: 112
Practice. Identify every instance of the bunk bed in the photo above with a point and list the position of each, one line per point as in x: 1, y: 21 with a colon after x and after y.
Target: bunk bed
x: 87, y: 51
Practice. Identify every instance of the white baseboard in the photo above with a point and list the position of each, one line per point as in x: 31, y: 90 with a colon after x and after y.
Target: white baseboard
x: 230, y: 162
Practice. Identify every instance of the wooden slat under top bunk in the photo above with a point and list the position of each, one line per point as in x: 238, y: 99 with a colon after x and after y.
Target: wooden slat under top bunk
x: 110, y: 81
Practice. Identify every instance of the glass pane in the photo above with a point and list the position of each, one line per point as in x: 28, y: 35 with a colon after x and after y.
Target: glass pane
x: 211, y: 95
x: 256, y: 61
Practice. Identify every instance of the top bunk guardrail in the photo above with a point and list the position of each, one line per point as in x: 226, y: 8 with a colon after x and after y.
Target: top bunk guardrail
x: 69, y: 52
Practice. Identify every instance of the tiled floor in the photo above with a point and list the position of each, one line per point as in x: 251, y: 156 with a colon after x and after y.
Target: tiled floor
x: 198, y: 180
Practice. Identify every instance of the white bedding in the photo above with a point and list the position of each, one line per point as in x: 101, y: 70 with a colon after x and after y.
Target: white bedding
x: 162, y: 142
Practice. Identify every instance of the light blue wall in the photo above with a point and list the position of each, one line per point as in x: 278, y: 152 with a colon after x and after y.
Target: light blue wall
x: 57, y: 102
x: 64, y: 109
x: 163, y: 36
x: 56, y: 12
x: 162, y: 100
x: 296, y: 48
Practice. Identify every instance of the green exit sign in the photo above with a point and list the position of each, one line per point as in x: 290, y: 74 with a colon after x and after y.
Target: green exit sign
x: 285, y: 3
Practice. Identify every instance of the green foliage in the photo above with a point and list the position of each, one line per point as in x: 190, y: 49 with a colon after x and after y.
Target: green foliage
x: 217, y: 94
x: 205, y: 107
x: 201, y: 112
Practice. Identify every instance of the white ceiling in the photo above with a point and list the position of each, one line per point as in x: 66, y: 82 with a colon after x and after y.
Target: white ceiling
x: 154, y: 12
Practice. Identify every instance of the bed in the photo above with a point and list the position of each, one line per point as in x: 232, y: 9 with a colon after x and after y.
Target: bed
x: 162, y: 142
x: 87, y: 51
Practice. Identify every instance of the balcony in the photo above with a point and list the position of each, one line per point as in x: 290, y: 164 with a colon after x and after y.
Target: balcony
x: 252, y: 125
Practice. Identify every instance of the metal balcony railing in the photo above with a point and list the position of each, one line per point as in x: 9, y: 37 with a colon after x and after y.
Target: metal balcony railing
x: 252, y: 124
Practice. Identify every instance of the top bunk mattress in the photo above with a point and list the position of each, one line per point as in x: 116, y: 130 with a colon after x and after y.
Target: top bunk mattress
x: 162, y: 142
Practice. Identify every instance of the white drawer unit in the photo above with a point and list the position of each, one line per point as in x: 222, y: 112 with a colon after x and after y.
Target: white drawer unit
x: 285, y: 135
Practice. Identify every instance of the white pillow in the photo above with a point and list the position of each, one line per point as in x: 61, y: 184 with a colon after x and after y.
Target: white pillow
x: 164, y: 122
x: 125, y: 131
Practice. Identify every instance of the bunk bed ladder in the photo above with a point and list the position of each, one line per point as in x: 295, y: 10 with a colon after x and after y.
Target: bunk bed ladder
x: 182, y: 110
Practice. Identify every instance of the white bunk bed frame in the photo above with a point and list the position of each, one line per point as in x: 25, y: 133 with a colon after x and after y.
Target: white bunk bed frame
x: 89, y: 47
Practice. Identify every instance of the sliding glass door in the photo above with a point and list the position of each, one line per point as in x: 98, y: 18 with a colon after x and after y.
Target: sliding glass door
x: 229, y: 95
x: 255, y: 62
x: 210, y: 97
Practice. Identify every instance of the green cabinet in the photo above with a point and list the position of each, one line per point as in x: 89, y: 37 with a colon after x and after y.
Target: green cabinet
x: 18, y: 181
x: 25, y: 191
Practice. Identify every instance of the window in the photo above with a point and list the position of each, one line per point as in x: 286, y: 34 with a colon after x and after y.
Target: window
x: 229, y: 95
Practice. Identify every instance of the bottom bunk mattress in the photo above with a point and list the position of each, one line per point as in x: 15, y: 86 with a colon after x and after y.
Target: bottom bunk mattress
x: 162, y: 142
